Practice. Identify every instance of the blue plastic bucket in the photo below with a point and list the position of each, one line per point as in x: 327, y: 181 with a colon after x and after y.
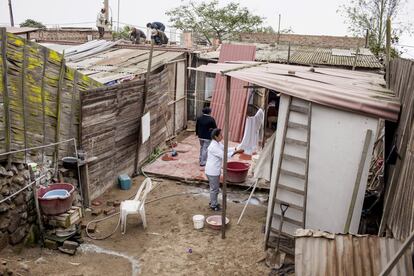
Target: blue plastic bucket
x: 124, y: 182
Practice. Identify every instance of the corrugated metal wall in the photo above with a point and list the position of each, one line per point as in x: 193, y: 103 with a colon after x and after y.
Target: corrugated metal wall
x: 324, y: 254
x: 238, y: 98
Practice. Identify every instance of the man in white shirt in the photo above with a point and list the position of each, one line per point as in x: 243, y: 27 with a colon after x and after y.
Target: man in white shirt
x: 101, y: 23
x: 213, y: 166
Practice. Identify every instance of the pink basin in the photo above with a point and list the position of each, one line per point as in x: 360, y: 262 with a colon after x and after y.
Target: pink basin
x: 55, y: 205
x: 237, y: 171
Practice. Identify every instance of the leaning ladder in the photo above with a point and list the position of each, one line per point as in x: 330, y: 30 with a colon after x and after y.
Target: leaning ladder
x: 303, y: 111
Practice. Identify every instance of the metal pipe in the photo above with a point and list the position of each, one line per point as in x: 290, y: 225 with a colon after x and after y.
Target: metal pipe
x: 11, y: 14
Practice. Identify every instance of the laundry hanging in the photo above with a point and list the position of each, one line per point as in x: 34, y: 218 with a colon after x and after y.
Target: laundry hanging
x: 252, y: 132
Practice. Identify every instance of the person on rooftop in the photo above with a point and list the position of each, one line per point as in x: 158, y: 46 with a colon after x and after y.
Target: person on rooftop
x: 204, y: 126
x: 101, y: 23
x: 137, y: 36
x: 215, y: 155
x: 157, y: 26
x: 159, y: 37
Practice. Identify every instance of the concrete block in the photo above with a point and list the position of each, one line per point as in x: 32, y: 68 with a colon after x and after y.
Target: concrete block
x: 51, y: 244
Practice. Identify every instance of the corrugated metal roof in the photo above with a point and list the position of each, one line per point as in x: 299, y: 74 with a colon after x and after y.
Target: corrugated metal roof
x: 321, y: 253
x: 20, y: 30
x: 238, y: 99
x: 360, y: 92
x: 305, y: 55
x: 102, y: 61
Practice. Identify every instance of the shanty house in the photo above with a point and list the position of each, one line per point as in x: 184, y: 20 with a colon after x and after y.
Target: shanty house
x: 326, y: 129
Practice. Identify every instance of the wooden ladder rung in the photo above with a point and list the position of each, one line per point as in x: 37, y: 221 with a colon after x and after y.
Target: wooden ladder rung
x: 296, y: 142
x: 297, y: 125
x: 291, y: 205
x: 294, y: 174
x: 294, y: 158
x: 283, y: 234
x: 299, y: 109
x: 286, y: 219
x: 290, y: 189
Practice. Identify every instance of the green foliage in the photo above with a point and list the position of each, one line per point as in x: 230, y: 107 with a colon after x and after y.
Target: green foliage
x: 270, y: 30
x: 32, y: 23
x: 212, y: 21
x: 371, y: 15
x: 122, y: 34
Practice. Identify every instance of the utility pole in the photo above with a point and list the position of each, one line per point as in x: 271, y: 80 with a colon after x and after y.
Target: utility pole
x: 117, y: 24
x: 278, y: 30
x: 106, y: 6
x: 11, y: 14
x: 388, y: 50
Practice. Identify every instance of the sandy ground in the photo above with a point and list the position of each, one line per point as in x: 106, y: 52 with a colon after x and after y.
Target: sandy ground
x: 161, y: 249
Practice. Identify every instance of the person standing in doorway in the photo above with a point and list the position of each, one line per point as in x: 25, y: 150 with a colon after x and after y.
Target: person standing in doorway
x: 204, y: 126
x: 214, y: 163
x: 101, y: 23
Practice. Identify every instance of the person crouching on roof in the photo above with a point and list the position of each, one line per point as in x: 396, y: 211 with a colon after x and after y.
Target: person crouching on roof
x: 137, y: 36
x: 215, y: 155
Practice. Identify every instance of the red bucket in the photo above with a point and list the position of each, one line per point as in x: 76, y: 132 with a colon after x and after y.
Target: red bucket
x: 237, y: 171
x: 55, y: 206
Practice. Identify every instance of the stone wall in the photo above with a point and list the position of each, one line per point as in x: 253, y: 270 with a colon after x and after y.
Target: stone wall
x: 323, y: 41
x: 18, y: 213
x: 73, y: 35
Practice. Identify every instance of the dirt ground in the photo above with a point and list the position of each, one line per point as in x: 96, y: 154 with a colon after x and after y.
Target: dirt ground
x: 163, y: 248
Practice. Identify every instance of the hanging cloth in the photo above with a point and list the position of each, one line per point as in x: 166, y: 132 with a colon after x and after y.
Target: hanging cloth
x: 252, y: 133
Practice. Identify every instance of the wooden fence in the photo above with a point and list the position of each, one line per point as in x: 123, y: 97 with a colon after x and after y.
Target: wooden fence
x: 39, y: 99
x: 111, y: 119
x: 398, y: 216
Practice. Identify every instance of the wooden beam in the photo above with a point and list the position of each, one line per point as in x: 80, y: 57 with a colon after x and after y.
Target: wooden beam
x: 266, y: 105
x: 224, y: 72
x: 23, y: 95
x: 58, y: 109
x: 226, y: 148
x: 357, y: 184
x: 43, y: 97
x: 6, y: 99
x: 144, y: 107
x: 73, y: 107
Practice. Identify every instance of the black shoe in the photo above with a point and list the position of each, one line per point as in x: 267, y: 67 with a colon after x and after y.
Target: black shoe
x: 215, y: 208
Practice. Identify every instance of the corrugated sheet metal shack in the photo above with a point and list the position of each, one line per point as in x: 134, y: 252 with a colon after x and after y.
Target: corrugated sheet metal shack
x: 327, y: 124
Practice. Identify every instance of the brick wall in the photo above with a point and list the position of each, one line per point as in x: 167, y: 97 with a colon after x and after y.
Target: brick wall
x: 76, y: 35
x: 323, y: 41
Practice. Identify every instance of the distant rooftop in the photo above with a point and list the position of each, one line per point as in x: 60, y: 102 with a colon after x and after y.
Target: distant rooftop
x: 307, y: 55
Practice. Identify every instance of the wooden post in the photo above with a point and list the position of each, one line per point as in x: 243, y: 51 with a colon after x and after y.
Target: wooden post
x: 288, y: 58
x: 144, y: 107
x: 266, y: 106
x: 59, y: 109
x: 72, y: 109
x: 388, y: 51
x: 358, y: 180
x: 23, y: 95
x: 6, y: 100
x: 43, y: 96
x: 355, y: 59
x: 226, y: 148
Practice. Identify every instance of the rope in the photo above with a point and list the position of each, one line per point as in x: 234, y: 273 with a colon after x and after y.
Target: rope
x: 22, y: 189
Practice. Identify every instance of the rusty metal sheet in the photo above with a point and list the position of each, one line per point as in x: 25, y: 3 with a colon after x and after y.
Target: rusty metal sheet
x: 360, y: 92
x: 320, y: 253
x: 238, y: 99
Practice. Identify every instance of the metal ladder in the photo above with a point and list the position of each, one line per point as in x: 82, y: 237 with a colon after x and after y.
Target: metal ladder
x: 292, y: 172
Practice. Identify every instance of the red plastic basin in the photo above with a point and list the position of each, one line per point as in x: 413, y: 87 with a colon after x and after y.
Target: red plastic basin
x: 55, y: 206
x: 237, y: 171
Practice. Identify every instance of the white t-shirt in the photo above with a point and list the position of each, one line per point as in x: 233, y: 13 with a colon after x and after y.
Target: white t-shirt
x: 215, y: 155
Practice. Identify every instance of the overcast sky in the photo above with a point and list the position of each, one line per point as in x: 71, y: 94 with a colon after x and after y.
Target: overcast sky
x: 303, y: 16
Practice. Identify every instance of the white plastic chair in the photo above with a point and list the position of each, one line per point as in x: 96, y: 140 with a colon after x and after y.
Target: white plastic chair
x: 136, y: 205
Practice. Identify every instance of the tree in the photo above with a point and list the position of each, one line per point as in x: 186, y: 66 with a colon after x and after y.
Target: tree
x: 212, y: 21
x: 371, y: 15
x: 123, y: 33
x: 32, y: 23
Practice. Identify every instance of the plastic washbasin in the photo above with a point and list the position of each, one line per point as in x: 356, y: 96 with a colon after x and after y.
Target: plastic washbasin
x: 55, y: 205
x: 237, y: 171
